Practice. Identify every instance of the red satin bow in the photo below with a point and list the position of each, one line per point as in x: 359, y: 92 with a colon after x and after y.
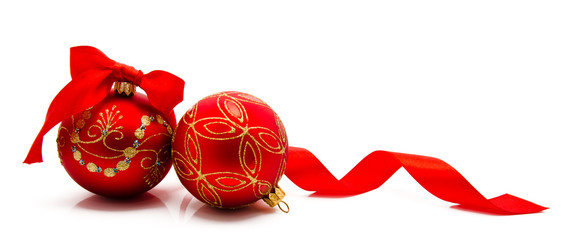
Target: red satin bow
x: 93, y: 75
x: 436, y: 176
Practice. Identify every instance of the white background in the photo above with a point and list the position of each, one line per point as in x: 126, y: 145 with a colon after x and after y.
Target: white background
x: 474, y: 83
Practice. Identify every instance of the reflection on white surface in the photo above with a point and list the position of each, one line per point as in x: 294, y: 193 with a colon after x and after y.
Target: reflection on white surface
x: 142, y: 212
x: 192, y: 209
x: 99, y: 203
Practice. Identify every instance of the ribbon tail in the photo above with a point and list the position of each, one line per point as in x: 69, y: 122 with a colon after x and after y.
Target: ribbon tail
x: 308, y: 173
x: 515, y: 205
x: 435, y: 175
x: 446, y: 183
x: 35, y: 155
x: 76, y: 96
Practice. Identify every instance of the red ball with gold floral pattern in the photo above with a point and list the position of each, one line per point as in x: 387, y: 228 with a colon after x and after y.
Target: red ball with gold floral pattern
x: 230, y: 150
x: 120, y: 147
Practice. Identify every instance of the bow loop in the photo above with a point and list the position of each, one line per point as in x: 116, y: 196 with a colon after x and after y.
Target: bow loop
x: 93, y: 75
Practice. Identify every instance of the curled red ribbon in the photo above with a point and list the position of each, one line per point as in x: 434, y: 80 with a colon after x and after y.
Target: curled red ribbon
x: 93, y: 75
x: 436, y: 176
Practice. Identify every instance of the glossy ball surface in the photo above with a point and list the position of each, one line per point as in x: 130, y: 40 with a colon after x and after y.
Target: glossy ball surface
x: 121, y: 147
x: 230, y: 149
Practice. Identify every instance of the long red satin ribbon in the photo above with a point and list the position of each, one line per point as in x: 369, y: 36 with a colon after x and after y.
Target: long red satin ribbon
x: 436, y: 176
x: 93, y: 75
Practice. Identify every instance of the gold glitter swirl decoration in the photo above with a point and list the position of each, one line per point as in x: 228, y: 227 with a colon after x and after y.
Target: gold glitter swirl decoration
x: 102, y: 142
x: 227, y: 149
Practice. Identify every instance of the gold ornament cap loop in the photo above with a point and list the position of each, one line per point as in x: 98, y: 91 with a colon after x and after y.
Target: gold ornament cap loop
x: 275, y: 197
x: 125, y: 88
x: 286, y: 205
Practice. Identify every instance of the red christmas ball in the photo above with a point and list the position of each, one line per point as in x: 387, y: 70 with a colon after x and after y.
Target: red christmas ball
x: 230, y: 150
x: 120, y: 147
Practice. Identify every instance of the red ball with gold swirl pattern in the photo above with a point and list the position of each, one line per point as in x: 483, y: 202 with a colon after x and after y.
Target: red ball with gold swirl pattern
x: 120, y: 147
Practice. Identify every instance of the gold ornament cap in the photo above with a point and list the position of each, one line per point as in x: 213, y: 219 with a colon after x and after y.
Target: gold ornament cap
x: 125, y: 88
x: 275, y: 198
